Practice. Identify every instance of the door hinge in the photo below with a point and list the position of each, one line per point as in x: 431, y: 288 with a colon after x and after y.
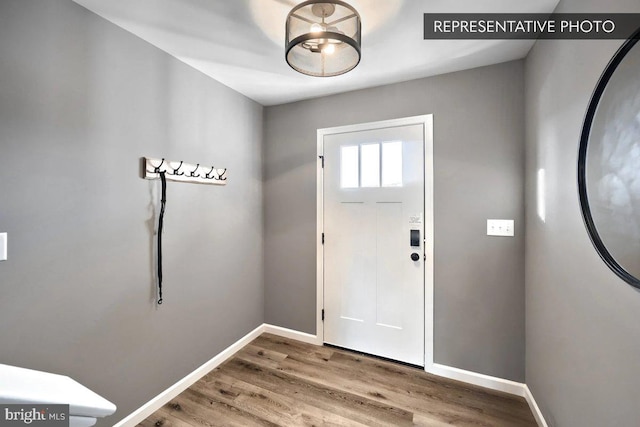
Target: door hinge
x: 323, y: 314
x: 323, y: 238
x: 425, y: 257
x: 322, y: 160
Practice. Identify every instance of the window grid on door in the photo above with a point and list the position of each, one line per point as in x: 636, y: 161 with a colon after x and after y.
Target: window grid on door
x: 371, y: 165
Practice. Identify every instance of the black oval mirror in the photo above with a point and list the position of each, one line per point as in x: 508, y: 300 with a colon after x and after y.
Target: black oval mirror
x: 609, y: 164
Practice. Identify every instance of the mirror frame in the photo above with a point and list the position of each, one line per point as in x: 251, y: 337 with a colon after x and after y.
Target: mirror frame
x: 582, y: 160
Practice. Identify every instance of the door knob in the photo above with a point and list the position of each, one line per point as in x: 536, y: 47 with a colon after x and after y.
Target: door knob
x: 415, y: 256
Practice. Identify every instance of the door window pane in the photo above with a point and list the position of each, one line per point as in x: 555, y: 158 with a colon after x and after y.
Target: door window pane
x: 370, y: 174
x: 392, y: 164
x: 349, y: 167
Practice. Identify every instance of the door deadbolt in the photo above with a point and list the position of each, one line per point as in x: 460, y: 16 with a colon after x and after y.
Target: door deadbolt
x: 415, y: 256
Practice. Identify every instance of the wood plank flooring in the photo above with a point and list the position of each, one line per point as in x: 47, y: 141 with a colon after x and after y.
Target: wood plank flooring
x: 276, y: 381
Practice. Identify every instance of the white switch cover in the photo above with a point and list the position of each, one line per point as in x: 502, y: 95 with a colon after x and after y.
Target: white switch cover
x: 500, y: 227
x: 3, y: 246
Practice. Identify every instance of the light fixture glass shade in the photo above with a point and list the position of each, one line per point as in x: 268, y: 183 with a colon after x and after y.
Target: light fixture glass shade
x: 323, y: 38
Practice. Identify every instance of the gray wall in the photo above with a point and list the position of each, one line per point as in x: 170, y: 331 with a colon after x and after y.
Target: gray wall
x: 80, y: 102
x: 583, y: 340
x: 479, y: 174
x: 84, y: 100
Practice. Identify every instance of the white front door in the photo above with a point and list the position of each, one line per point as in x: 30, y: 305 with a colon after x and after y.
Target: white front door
x: 374, y: 247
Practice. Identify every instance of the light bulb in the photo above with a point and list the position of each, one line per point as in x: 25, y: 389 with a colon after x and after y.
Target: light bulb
x: 328, y: 48
x: 317, y: 28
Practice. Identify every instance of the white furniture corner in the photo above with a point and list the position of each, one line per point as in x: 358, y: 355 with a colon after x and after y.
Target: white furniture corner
x: 26, y: 386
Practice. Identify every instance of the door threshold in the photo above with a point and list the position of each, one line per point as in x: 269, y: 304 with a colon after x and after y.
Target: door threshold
x: 386, y: 359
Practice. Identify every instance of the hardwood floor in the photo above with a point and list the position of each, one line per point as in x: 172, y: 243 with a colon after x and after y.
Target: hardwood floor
x: 276, y: 381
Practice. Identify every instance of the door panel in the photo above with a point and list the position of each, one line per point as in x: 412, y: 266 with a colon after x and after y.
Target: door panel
x: 389, y: 267
x: 351, y: 263
x: 373, y: 196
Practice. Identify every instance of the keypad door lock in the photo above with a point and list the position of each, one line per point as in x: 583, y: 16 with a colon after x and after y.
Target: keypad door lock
x: 414, y: 238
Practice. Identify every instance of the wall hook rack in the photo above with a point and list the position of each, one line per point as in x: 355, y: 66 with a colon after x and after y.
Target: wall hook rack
x: 165, y: 170
x: 184, y: 172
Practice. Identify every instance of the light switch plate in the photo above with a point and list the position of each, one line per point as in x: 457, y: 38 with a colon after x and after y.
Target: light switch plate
x: 500, y: 227
x: 3, y: 246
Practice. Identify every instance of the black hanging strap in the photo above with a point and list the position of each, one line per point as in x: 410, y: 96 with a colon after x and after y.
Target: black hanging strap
x: 163, y: 201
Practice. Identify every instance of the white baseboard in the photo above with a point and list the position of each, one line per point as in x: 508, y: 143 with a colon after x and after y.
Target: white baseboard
x: 537, y: 414
x: 469, y: 377
x: 292, y: 334
x: 475, y: 378
x: 493, y: 383
x: 157, y: 402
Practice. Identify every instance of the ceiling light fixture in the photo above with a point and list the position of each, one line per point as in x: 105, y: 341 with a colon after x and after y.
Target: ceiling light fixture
x: 323, y: 38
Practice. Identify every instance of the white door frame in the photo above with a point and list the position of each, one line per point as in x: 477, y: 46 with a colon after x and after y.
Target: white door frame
x: 427, y: 122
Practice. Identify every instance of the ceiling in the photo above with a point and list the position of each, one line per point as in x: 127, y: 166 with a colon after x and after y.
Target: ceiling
x: 240, y: 43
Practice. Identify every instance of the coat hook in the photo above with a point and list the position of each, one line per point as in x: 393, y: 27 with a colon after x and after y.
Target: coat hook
x: 175, y: 171
x: 221, y: 176
x: 157, y: 169
x: 209, y: 173
x: 193, y: 171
